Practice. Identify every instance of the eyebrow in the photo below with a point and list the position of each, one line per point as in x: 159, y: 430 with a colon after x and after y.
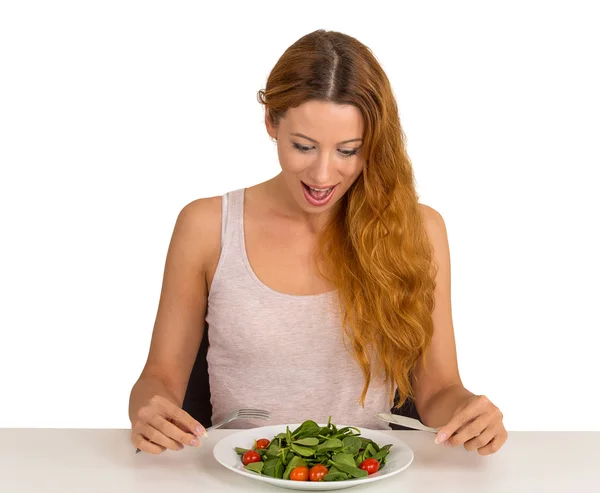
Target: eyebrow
x: 313, y: 140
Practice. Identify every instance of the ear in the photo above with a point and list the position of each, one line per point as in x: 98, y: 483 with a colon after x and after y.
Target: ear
x: 271, y: 129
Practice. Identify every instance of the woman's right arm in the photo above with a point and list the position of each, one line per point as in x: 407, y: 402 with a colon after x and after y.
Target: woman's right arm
x: 157, y: 420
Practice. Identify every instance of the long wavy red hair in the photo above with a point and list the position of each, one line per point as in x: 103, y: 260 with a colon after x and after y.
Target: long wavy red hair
x: 375, y: 249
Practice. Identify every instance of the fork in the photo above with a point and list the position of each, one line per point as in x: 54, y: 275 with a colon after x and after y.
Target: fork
x: 241, y: 414
x: 238, y: 414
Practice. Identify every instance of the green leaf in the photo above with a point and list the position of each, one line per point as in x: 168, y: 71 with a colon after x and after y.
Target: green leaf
x: 279, y: 468
x: 241, y: 451
x: 344, y: 431
x: 358, y: 460
x: 295, y: 462
x: 304, y: 451
x: 365, y: 442
x: 256, y: 467
x: 325, y: 431
x: 285, y: 457
x: 351, y: 470
x: 281, y: 436
x: 383, y: 453
x: 308, y: 442
x: 270, y: 465
x: 370, y: 451
x: 336, y: 476
x: 333, y: 444
x: 307, y: 429
x: 272, y: 450
x: 288, y: 435
x: 351, y: 445
x: 347, y: 459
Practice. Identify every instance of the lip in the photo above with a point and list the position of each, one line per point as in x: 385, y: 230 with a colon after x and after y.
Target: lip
x: 318, y: 203
x: 319, y: 187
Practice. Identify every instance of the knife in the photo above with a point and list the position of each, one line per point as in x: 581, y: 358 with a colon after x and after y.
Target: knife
x: 396, y: 419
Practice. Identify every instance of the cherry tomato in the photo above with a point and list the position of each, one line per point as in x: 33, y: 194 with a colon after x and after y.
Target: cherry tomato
x: 299, y: 473
x: 317, y: 472
x: 250, y: 456
x: 370, y: 465
x: 262, y: 443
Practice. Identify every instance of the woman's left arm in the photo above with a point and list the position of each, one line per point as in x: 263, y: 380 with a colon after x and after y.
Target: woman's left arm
x: 440, y: 397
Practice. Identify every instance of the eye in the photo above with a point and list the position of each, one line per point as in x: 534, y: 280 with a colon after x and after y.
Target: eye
x: 348, y: 152
x: 301, y: 148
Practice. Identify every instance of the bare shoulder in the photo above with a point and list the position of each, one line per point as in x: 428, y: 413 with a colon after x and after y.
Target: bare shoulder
x: 433, y: 221
x: 197, y: 232
x: 430, y: 215
x: 204, y: 212
x: 436, y: 231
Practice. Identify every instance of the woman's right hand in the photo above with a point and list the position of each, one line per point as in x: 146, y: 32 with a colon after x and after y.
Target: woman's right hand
x: 161, y: 425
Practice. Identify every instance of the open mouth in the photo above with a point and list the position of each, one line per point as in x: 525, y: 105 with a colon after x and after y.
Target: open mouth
x: 318, y: 196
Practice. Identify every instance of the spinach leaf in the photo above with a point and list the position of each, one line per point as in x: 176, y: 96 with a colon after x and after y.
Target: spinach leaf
x: 256, y: 467
x: 336, y: 476
x: 241, y: 451
x: 307, y: 429
x: 352, y: 445
x: 270, y: 465
x: 304, y: 451
x: 370, y: 451
x: 383, y: 453
x: 308, y: 442
x: 272, y: 450
x: 333, y: 444
x: 351, y: 470
x: 295, y: 462
x: 347, y: 459
x: 279, y: 468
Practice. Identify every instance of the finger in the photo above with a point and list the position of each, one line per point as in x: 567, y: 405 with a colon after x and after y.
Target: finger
x: 143, y: 444
x: 471, y: 411
x: 495, y: 444
x: 174, y: 432
x: 170, y: 410
x: 470, y: 430
x: 485, y: 437
x: 155, y: 436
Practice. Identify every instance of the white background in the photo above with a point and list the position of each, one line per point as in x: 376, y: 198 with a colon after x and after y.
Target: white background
x: 115, y: 114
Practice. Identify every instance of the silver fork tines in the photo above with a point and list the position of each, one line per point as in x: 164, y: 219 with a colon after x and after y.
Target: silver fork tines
x: 241, y: 414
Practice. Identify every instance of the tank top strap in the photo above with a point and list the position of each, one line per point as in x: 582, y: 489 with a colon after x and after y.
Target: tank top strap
x: 232, y: 220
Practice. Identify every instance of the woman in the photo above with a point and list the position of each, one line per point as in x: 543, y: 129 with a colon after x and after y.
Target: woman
x: 326, y: 288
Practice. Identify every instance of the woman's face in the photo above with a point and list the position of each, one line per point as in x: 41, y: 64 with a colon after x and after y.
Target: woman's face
x: 319, y: 146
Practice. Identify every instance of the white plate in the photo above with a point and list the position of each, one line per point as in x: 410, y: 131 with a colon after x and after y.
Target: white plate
x: 399, y: 458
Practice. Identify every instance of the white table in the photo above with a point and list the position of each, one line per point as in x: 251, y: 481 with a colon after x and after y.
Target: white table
x: 87, y: 461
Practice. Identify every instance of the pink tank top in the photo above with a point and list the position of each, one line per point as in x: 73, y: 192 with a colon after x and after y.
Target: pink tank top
x: 279, y: 352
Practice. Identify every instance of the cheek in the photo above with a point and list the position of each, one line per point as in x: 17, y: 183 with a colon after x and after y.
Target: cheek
x: 291, y: 160
x: 353, y: 170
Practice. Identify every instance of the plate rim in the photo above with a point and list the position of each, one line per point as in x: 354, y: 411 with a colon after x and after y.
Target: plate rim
x: 314, y: 485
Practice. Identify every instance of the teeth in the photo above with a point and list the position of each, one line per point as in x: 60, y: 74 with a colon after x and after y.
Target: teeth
x: 320, y: 189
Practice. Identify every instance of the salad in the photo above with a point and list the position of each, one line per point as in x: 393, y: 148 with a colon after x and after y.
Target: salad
x: 315, y: 453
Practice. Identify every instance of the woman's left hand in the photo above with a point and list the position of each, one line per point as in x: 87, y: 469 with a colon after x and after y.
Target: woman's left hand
x: 477, y: 424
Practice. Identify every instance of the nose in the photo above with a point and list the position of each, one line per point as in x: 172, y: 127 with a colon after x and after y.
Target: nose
x: 322, y: 170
